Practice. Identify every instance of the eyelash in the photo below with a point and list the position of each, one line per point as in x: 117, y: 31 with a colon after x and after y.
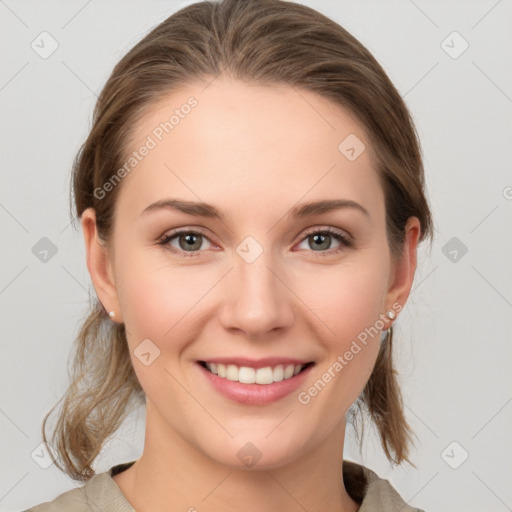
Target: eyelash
x: 345, y: 241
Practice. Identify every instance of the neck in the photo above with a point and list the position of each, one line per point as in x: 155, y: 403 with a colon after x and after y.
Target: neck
x: 172, y: 473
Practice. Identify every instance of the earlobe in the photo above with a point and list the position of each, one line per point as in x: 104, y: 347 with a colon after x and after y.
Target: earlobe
x: 405, y: 269
x: 99, y: 264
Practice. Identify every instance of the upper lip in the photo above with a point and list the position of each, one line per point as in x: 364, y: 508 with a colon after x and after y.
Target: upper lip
x: 257, y: 363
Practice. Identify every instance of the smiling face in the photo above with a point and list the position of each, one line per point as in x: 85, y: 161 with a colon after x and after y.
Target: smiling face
x: 254, y: 276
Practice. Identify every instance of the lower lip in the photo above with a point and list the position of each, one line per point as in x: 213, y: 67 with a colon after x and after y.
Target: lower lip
x: 254, y: 394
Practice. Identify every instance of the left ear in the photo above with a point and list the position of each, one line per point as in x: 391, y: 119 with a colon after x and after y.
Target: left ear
x: 403, y: 276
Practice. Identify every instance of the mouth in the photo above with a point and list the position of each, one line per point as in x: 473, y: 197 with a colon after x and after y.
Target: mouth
x: 264, y: 375
x: 254, y: 382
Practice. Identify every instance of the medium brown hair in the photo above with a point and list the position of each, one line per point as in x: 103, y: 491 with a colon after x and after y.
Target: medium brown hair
x: 259, y: 41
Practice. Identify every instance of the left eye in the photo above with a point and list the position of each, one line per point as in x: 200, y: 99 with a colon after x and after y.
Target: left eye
x: 322, y: 239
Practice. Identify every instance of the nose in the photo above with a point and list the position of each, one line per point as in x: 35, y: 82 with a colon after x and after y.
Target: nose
x: 257, y: 300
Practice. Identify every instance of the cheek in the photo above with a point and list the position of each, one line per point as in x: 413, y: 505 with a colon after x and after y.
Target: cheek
x: 160, y: 303
x: 346, y: 299
x: 158, y: 299
x: 348, y: 304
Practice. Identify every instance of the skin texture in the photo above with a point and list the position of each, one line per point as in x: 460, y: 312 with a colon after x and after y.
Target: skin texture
x: 254, y: 152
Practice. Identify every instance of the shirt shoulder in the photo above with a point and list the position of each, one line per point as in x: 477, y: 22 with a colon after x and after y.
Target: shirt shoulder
x: 374, y: 494
x: 100, y: 493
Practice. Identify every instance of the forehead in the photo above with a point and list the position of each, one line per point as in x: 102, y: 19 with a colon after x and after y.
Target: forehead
x: 236, y: 144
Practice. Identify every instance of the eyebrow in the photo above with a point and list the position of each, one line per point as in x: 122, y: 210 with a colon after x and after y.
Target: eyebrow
x: 200, y: 209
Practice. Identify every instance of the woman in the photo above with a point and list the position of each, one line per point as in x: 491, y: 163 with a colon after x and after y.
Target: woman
x: 252, y: 197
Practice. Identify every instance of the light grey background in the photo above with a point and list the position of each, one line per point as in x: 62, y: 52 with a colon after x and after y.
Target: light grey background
x: 454, y: 354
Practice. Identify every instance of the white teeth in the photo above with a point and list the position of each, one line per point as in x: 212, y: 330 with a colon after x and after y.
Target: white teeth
x: 247, y: 375
x: 264, y: 375
x: 278, y: 373
x: 288, y: 371
x: 231, y: 372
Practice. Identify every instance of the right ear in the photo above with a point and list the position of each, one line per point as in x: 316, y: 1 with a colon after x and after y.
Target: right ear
x: 99, y: 264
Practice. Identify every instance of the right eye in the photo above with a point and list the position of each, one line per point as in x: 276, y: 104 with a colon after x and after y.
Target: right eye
x: 189, y: 242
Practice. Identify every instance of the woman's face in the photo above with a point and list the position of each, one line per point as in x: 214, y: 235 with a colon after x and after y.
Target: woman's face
x: 262, y: 279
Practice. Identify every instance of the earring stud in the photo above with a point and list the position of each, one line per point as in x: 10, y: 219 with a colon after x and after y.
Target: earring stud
x: 391, y: 314
x: 112, y: 314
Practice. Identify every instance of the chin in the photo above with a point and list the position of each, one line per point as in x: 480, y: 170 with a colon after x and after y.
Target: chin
x: 260, y: 454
